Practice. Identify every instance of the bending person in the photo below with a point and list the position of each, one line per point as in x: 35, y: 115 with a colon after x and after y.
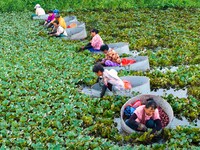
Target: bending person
x: 96, y: 42
x: 145, y: 116
x: 58, y: 31
x: 110, y: 79
x: 60, y: 20
x: 50, y: 18
x: 111, y: 57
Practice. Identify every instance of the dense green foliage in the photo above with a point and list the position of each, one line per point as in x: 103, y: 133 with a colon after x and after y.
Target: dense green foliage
x: 74, y: 5
x: 41, y: 106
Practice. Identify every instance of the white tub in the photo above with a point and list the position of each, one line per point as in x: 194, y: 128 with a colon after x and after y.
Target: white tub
x: 76, y: 33
x: 160, y: 102
x: 70, y: 19
x: 139, y: 84
x: 120, y: 47
x: 141, y: 64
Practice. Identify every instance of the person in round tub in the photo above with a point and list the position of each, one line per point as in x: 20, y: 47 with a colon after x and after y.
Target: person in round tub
x: 96, y: 42
x: 144, y: 117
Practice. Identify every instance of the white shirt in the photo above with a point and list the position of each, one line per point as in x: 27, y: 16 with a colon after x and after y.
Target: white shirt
x: 61, y: 30
x: 39, y: 11
x: 111, y: 77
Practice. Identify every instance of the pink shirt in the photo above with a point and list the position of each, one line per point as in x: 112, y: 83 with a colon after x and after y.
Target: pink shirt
x: 139, y: 112
x: 96, y: 42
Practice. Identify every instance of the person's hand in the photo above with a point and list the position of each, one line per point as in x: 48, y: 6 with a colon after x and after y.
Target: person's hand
x: 142, y: 127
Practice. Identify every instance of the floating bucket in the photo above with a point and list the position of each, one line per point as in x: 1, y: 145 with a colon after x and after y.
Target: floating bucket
x: 76, y: 33
x: 120, y: 47
x: 70, y: 19
x: 139, y: 84
x: 160, y: 102
x: 141, y: 64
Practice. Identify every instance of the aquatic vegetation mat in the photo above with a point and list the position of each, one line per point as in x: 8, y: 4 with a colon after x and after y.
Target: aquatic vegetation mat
x: 41, y: 106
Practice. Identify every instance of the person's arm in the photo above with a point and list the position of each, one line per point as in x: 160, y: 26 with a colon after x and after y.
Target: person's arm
x: 131, y: 121
x: 52, y: 20
x: 157, y: 121
x: 134, y: 124
x: 53, y: 32
x: 158, y: 125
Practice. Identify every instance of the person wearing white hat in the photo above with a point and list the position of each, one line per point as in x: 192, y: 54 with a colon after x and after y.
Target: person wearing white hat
x: 39, y: 10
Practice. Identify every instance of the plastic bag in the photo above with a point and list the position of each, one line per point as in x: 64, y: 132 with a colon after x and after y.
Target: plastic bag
x: 126, y: 61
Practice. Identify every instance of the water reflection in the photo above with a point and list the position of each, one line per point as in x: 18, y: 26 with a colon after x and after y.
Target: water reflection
x: 182, y: 93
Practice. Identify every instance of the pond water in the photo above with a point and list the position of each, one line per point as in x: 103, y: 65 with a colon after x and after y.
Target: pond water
x: 171, y: 68
x: 181, y: 93
x: 165, y: 69
x: 134, y: 53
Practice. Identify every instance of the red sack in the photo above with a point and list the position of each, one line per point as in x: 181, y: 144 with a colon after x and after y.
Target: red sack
x: 125, y: 61
x: 136, y: 104
x: 127, y: 85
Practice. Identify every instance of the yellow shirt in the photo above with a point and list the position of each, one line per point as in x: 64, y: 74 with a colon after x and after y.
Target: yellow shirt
x: 62, y: 22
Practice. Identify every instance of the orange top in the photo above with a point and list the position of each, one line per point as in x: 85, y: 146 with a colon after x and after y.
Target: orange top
x: 62, y: 22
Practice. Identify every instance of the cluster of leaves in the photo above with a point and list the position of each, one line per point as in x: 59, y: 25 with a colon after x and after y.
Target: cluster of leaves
x: 151, y: 29
x: 74, y: 5
x: 163, y: 34
x: 180, y: 138
x: 41, y: 106
x: 188, y: 107
x: 182, y: 77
